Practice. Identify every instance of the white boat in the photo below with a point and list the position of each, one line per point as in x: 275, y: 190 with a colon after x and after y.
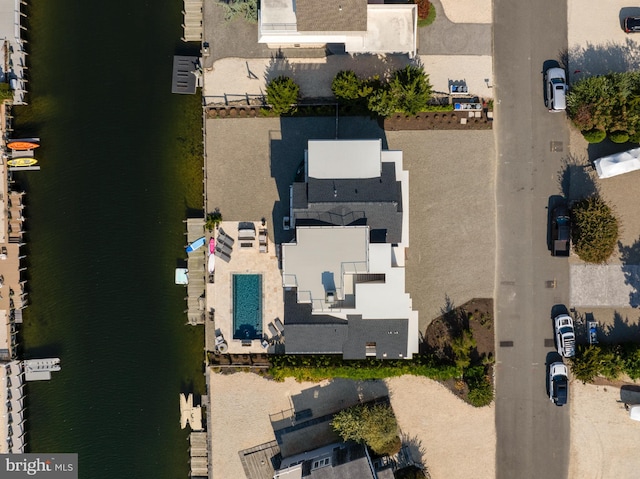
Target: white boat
x: 211, y: 265
x: 618, y: 164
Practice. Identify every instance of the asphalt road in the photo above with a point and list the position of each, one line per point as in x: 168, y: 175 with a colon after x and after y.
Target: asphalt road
x: 532, y: 433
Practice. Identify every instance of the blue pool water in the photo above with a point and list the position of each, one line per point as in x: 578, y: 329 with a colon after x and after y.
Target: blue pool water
x: 247, y: 306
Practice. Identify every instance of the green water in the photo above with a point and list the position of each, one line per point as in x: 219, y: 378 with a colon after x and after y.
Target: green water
x: 121, y: 168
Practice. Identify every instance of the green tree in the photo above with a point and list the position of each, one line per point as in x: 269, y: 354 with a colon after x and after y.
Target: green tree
x: 375, y: 426
x: 381, y: 102
x: 348, y: 88
x: 594, y: 360
x: 410, y: 89
x: 282, y: 95
x: 595, y: 230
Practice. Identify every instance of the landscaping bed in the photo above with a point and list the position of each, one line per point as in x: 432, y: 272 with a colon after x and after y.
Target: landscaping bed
x: 475, y: 316
x: 438, y: 120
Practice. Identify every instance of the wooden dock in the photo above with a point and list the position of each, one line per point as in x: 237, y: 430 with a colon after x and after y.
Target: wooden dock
x: 192, y: 14
x: 196, y: 264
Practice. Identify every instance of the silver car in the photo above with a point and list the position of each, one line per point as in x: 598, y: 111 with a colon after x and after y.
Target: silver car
x: 555, y: 80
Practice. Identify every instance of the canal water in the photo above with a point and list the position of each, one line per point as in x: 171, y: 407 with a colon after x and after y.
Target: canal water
x: 121, y: 165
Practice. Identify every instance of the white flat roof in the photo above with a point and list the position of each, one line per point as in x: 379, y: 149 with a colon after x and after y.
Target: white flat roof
x: 316, y: 261
x: 344, y: 159
x: 277, y: 12
x: 390, y: 29
x: 383, y: 300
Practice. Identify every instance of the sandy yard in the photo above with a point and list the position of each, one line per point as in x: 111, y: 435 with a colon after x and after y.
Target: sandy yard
x: 604, y: 441
x: 456, y: 440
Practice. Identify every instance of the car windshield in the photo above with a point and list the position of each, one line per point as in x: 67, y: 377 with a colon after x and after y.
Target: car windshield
x: 557, y: 81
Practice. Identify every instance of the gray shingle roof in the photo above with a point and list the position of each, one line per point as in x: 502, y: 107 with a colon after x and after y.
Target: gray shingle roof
x: 323, y: 334
x: 390, y: 336
x: 347, y: 202
x: 331, y: 15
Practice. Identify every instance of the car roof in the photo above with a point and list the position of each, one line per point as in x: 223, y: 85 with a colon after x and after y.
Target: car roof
x: 556, y: 72
x: 561, y: 210
x: 558, y: 368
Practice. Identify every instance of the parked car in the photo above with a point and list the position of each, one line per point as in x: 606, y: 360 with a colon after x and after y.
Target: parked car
x: 560, y: 231
x: 555, y: 80
x: 632, y: 24
x: 558, y: 383
x: 565, y: 335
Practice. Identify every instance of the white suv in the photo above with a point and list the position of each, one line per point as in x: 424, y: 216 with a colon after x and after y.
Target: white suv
x: 565, y: 335
x: 555, y: 81
x: 558, y: 383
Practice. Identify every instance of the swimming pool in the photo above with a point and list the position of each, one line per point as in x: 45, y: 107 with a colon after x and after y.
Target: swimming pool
x: 247, y: 306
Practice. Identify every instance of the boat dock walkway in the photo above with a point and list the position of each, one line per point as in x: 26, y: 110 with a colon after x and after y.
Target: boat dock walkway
x: 192, y: 20
x: 196, y: 265
x: 13, y: 59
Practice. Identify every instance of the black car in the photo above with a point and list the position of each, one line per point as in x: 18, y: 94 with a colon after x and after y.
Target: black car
x: 560, y: 230
x: 632, y: 24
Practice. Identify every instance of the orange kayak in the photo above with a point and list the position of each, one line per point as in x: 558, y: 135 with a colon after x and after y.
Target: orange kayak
x: 22, y: 145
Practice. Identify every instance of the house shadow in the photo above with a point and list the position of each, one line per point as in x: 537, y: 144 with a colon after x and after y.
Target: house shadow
x: 315, y: 78
x: 630, y: 256
x: 621, y: 331
x: 307, y: 424
x: 575, y: 178
x: 603, y: 58
x: 286, y: 151
x: 605, y: 148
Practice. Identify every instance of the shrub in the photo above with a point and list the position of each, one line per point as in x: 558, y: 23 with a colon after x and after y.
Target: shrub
x: 595, y: 360
x: 423, y: 8
x: 426, y: 13
x: 595, y: 230
x: 5, y: 92
x: 480, y: 386
x: 382, y: 102
x: 619, y: 136
x: 635, y: 137
x: 631, y: 360
x: 595, y: 135
x: 410, y: 89
x: 348, y: 88
x: 374, y: 425
x: 462, y: 346
x: 247, y: 9
x: 282, y: 95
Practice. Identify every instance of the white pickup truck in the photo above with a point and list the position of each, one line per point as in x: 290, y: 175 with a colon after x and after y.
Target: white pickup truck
x: 565, y: 335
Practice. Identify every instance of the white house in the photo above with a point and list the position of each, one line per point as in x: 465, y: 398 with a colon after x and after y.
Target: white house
x: 363, y: 27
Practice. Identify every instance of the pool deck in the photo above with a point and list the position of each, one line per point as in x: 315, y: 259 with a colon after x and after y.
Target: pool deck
x: 243, y: 260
